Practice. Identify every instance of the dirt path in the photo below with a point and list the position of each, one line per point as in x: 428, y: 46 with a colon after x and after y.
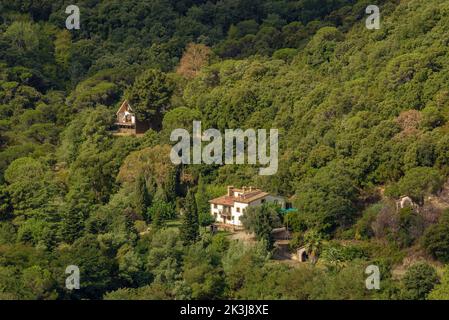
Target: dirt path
x: 242, y: 236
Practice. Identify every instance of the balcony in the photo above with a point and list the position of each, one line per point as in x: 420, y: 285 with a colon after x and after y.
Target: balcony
x: 226, y: 212
x: 125, y: 125
x: 125, y: 120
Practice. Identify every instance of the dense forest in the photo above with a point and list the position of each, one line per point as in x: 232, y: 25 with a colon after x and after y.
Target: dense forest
x: 363, y: 119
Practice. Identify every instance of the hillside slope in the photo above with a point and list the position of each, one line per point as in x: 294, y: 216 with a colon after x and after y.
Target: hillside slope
x: 357, y: 110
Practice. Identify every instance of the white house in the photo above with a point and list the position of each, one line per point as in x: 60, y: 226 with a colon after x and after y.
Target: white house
x: 229, y: 208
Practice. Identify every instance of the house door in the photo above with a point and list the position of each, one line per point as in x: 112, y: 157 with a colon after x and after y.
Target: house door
x: 224, y: 219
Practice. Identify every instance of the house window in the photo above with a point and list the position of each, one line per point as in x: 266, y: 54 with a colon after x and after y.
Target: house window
x: 263, y: 201
x: 232, y: 218
x: 244, y: 210
x: 238, y: 209
x: 215, y: 206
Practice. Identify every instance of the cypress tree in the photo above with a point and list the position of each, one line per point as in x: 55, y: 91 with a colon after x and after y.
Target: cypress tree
x: 170, y: 186
x: 202, y: 203
x: 190, y: 226
x: 143, y: 200
x: 202, y: 200
x: 158, y: 219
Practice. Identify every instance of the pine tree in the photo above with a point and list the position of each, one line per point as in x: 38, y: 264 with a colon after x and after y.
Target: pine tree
x: 72, y: 225
x: 5, y: 203
x: 73, y: 218
x: 190, y: 226
x: 143, y: 199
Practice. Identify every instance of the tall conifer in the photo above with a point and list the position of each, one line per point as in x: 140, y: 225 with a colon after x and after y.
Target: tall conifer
x: 190, y: 226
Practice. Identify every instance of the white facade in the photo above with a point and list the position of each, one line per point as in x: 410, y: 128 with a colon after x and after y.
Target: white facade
x: 234, y: 210
x: 129, y: 117
x: 221, y: 215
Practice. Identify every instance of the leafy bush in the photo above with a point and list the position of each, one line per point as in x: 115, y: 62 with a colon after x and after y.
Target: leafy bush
x: 261, y: 220
x: 364, y: 226
x: 417, y: 183
x: 441, y: 290
x: 418, y: 281
x: 436, y: 238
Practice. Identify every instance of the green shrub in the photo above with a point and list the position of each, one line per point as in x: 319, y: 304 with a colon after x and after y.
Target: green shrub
x: 363, y: 227
x: 418, y: 281
x: 436, y: 239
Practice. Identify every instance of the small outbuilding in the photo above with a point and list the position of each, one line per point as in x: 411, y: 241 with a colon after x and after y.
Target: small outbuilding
x: 302, y: 254
x: 406, y: 201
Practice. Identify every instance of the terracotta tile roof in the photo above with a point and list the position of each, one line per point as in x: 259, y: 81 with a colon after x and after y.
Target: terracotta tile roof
x: 224, y: 200
x: 245, y: 197
x: 252, y: 196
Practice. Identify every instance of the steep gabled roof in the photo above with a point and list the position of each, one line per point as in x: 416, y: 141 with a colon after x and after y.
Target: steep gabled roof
x: 124, y: 107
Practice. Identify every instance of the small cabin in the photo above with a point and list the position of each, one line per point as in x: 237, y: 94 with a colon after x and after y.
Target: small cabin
x: 406, y: 201
x: 127, y: 123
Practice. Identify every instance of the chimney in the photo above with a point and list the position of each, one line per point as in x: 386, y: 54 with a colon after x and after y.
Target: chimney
x: 230, y: 190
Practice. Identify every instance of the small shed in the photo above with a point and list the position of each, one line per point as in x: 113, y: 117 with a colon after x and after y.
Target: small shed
x: 302, y: 254
x: 406, y: 201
